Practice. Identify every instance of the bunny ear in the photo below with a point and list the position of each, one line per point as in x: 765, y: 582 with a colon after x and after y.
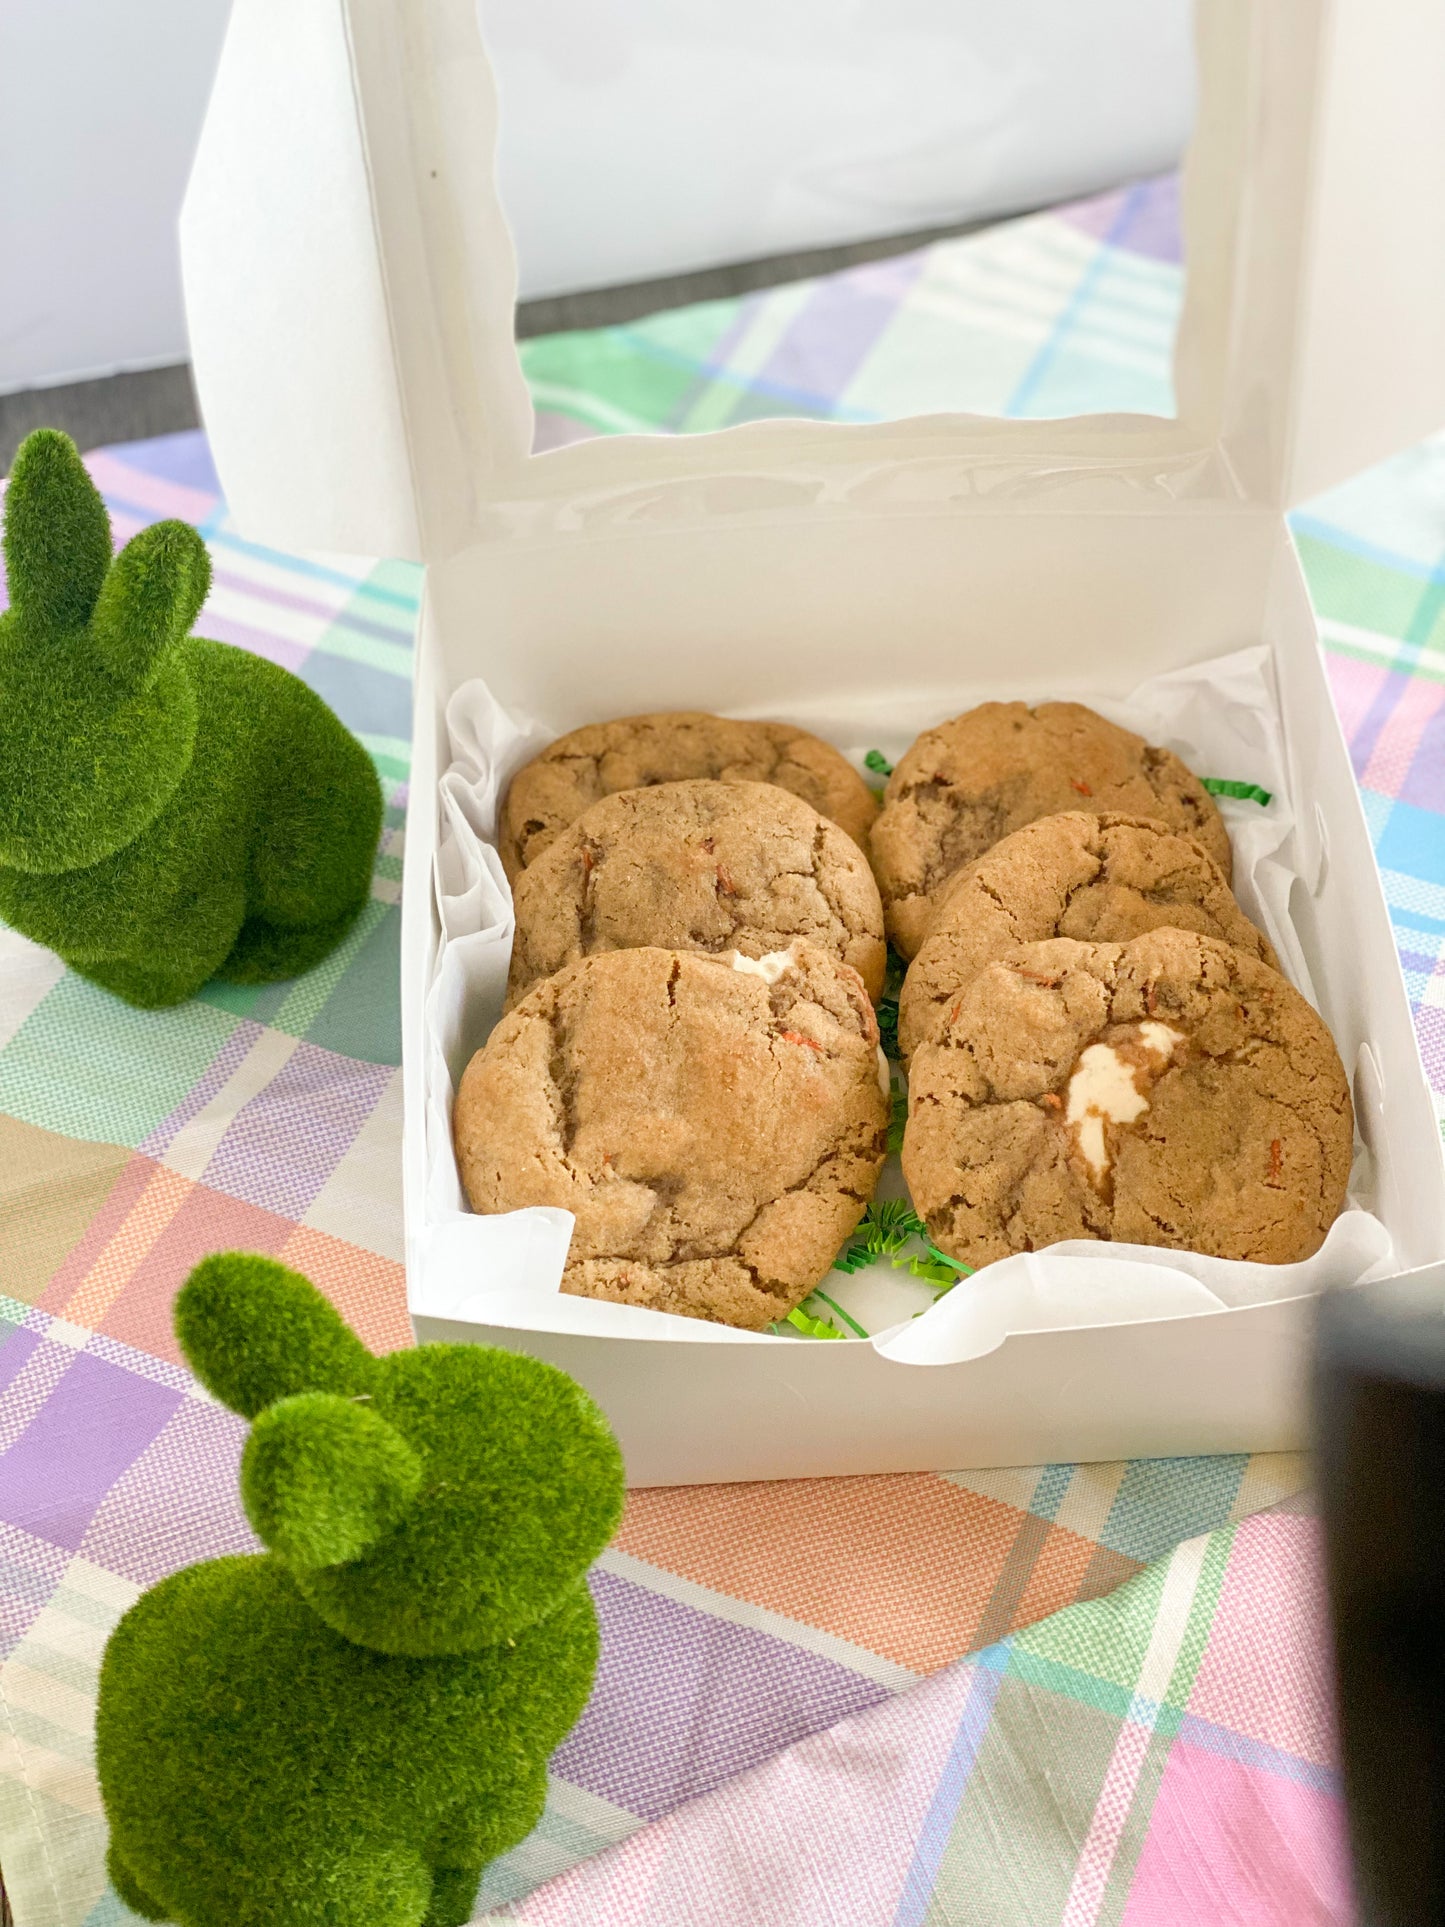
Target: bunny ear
x: 57, y: 534
x: 255, y: 1332
x: 150, y: 598
x: 323, y: 1478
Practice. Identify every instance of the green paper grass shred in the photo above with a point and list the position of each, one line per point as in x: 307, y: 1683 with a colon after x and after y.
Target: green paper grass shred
x: 888, y: 1005
x: 833, y: 1306
x: 343, y: 1730
x: 811, y: 1327
x: 938, y: 1268
x: 1245, y: 792
x: 888, y: 1028
x: 878, y: 763
x: 898, y: 1120
x: 886, y: 1230
x: 884, y: 1233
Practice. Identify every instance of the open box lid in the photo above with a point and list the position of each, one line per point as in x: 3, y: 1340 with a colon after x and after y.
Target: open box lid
x: 350, y: 283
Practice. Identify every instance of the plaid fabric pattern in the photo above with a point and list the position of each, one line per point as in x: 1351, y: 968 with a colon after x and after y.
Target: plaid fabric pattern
x: 1061, y: 314
x: 1162, y: 1758
x: 740, y: 1624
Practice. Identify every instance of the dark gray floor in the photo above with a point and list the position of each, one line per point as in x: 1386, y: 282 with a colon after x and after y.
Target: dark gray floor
x: 127, y: 408
x: 118, y: 408
x: 604, y: 307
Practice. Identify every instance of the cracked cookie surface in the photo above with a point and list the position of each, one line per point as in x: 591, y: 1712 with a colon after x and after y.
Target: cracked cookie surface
x: 633, y: 752
x: 716, y: 1134
x: 1101, y: 878
x: 697, y: 866
x: 967, y: 784
x: 1170, y: 1091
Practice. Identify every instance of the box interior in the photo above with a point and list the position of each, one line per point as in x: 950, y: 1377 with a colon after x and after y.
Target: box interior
x: 860, y: 610
x: 920, y: 617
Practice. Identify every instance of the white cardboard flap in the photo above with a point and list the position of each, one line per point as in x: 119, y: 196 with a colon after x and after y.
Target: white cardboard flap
x: 1370, y: 365
x: 353, y: 352
x: 1310, y: 344
x: 290, y: 339
x: 429, y: 126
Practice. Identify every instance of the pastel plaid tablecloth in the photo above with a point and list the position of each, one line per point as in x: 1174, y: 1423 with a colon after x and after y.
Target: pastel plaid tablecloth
x: 1159, y: 1758
x: 1160, y: 1755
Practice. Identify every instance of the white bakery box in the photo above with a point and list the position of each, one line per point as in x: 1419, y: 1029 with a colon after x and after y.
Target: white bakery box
x: 350, y: 281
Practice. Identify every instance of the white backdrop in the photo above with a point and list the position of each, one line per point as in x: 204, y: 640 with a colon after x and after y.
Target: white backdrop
x: 100, y: 105
x: 645, y: 137
x: 639, y: 137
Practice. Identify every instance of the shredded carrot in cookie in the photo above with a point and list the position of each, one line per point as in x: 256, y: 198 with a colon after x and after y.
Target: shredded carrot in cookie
x: 797, y: 1037
x: 1083, y: 788
x: 1038, y: 977
x: 725, y: 884
x: 1151, y: 997
x: 1053, y: 1100
x: 1276, y: 1161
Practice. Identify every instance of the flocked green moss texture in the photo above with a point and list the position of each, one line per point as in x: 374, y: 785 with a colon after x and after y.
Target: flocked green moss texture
x: 342, y: 1731
x: 171, y: 809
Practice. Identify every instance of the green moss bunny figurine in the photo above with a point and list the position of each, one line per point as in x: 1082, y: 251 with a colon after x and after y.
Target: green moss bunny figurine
x: 342, y: 1731
x: 171, y: 809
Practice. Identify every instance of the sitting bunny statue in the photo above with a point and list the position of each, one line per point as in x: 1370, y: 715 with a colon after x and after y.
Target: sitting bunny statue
x: 171, y: 809
x: 342, y: 1731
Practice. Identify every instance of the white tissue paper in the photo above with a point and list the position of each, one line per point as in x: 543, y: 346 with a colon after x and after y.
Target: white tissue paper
x: 1220, y: 716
